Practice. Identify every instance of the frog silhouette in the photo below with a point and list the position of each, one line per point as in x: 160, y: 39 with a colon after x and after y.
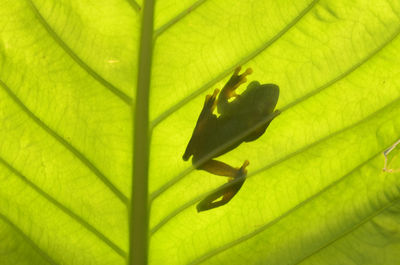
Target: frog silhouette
x: 240, y: 118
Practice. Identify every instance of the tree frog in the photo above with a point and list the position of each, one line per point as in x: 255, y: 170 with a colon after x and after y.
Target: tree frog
x: 241, y: 118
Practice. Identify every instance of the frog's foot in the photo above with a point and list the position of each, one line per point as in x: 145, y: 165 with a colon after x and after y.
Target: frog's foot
x: 211, y: 101
x: 240, y: 78
x: 226, y: 192
x: 234, y: 82
x: 242, y: 171
x: 391, y: 170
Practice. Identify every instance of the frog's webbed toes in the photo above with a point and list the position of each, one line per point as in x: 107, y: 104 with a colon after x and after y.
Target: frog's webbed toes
x: 211, y: 101
x: 227, y: 191
x: 242, y: 171
x: 234, y: 82
x: 237, y: 70
x: 241, y: 78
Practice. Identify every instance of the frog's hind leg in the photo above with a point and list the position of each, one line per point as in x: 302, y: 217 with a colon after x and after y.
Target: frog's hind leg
x: 226, y: 191
x: 222, y: 169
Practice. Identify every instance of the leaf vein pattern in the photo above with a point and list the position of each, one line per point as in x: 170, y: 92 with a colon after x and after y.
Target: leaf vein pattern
x: 281, y: 160
x: 346, y: 73
x: 177, y: 18
x: 40, y: 251
x: 351, y: 229
x: 116, y: 91
x: 66, y: 144
x: 242, y: 239
x: 66, y: 210
x: 242, y: 61
x: 134, y: 5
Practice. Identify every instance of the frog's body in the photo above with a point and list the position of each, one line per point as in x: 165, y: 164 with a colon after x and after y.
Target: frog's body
x: 244, y: 119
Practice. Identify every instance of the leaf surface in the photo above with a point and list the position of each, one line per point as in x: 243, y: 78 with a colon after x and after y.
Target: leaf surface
x: 315, y: 193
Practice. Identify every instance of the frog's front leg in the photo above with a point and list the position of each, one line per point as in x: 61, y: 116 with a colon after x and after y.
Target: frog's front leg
x: 228, y: 91
x: 204, y: 122
x: 227, y: 191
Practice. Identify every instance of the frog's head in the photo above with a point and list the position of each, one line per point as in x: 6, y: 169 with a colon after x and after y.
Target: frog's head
x: 271, y: 94
x: 263, y: 97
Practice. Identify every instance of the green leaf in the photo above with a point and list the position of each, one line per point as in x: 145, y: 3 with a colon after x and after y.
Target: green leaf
x: 315, y: 192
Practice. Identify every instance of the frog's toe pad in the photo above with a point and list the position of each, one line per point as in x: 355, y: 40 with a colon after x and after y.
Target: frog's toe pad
x: 242, y: 170
x: 211, y: 100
